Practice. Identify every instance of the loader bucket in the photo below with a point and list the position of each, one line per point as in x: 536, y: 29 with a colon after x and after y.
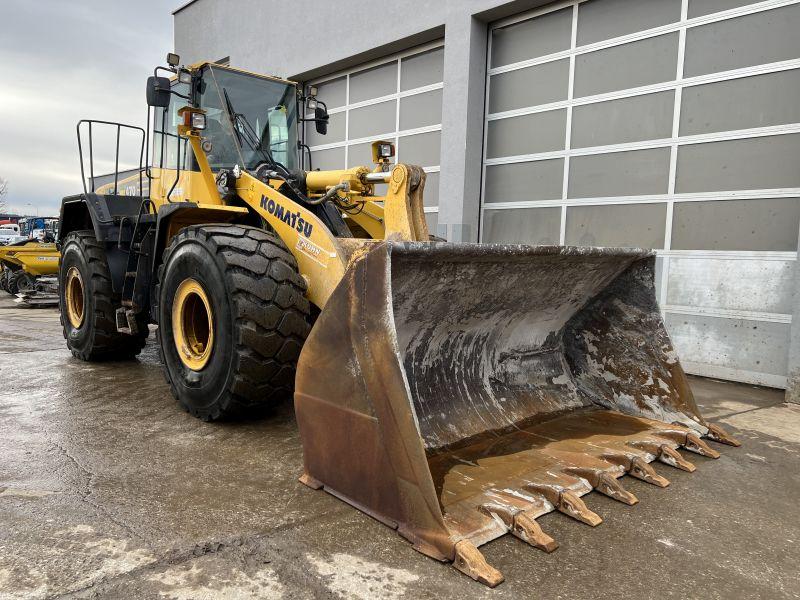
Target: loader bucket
x: 456, y: 392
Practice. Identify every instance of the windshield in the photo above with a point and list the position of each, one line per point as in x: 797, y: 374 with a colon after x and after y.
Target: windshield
x: 265, y: 115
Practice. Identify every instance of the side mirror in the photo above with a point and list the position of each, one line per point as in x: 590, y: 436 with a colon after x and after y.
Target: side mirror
x: 158, y: 92
x: 321, y: 119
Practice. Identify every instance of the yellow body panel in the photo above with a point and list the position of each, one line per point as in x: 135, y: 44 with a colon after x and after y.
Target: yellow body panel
x: 322, y: 258
x: 191, y: 187
x: 36, y: 259
x: 209, y: 184
x: 318, y: 253
x: 370, y: 218
x: 127, y: 186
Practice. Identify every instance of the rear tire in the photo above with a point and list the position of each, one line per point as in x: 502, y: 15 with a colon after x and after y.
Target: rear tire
x: 12, y: 280
x: 88, y: 303
x: 4, y: 279
x: 248, y: 317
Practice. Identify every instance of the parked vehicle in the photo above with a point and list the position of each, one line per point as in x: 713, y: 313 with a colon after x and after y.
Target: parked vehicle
x: 455, y: 392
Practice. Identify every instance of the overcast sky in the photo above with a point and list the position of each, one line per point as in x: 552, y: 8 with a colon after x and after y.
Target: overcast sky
x: 66, y: 60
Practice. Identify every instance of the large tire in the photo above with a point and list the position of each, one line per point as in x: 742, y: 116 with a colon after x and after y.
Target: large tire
x: 4, y: 279
x: 11, y: 282
x: 94, y: 337
x: 253, y: 300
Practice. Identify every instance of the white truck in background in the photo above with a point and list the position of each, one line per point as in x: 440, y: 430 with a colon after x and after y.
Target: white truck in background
x: 10, y: 234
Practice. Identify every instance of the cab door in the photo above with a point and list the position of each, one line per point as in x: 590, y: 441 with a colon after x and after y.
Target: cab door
x: 169, y: 183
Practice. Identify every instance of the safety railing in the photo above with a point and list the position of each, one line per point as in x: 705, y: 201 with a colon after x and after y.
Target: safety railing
x: 92, y: 123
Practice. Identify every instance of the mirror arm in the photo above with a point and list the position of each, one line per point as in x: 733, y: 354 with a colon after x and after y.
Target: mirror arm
x: 171, y: 91
x: 167, y: 69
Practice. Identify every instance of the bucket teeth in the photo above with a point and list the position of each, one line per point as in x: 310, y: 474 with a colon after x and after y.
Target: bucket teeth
x: 718, y: 434
x: 642, y: 470
x: 470, y: 561
x: 612, y: 488
x: 691, y: 441
x: 637, y: 467
x: 672, y: 457
x: 528, y: 530
x: 665, y: 453
x: 567, y: 502
x: 605, y: 483
x: 521, y: 524
x: 571, y: 505
x: 698, y: 446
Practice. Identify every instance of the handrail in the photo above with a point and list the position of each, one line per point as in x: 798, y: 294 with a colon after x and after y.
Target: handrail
x: 119, y: 127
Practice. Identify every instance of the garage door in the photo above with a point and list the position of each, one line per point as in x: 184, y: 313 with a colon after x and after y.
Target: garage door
x: 397, y: 98
x: 669, y: 124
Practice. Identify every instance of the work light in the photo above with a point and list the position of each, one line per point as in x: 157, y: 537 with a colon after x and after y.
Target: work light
x: 198, y: 121
x: 386, y: 150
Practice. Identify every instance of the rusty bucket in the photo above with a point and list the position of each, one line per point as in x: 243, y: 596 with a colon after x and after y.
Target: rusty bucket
x: 456, y: 392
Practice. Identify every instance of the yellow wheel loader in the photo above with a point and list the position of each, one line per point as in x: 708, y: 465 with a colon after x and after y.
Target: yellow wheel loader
x: 28, y: 270
x: 455, y: 392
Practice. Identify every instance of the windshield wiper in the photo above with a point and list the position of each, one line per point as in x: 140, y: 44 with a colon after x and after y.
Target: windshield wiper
x: 232, y: 116
x: 248, y: 134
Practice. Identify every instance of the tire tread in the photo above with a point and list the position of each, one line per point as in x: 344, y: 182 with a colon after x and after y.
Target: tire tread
x: 258, y: 270
x: 108, y: 343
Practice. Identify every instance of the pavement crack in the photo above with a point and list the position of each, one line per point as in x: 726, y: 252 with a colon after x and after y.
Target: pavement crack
x: 86, y: 490
x: 172, y: 558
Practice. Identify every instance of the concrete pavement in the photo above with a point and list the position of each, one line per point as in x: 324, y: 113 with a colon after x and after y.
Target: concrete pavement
x: 109, y: 490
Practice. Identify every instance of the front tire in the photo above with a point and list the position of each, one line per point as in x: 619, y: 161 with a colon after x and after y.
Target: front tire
x: 88, y: 303
x: 233, y: 317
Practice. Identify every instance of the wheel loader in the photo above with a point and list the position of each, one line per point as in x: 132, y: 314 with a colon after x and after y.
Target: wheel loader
x: 28, y: 271
x: 454, y: 392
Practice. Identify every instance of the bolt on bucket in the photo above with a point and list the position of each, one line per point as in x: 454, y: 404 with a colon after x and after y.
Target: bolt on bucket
x: 456, y: 392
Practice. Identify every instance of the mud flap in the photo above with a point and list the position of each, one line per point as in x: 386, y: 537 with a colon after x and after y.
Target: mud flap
x: 459, y: 391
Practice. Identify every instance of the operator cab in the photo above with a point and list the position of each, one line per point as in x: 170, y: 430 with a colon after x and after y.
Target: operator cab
x: 251, y: 122
x: 248, y: 119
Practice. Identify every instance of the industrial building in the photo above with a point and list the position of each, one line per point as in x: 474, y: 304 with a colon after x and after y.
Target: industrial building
x: 667, y: 124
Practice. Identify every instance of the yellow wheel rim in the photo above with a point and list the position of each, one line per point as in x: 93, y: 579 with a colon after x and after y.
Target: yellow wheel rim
x: 192, y: 324
x: 73, y: 297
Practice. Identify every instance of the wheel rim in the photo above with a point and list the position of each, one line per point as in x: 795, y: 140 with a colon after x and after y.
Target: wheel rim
x: 192, y: 324
x: 74, y: 297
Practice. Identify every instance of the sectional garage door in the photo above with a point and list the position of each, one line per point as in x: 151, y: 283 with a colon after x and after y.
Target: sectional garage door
x: 670, y: 124
x: 397, y: 98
